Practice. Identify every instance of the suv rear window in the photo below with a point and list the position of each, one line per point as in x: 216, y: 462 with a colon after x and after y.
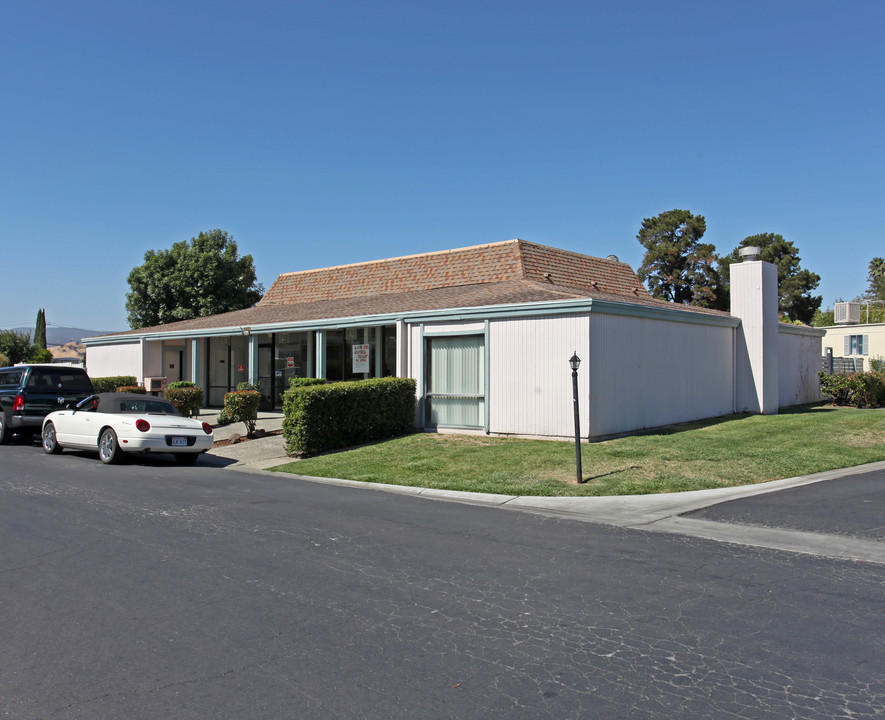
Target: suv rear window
x: 11, y: 377
x: 66, y: 380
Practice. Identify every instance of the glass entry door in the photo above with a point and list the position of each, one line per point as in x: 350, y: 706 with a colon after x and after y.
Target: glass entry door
x: 266, y: 375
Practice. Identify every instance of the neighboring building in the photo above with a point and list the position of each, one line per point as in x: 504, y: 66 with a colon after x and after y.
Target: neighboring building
x: 487, y: 333
x: 857, y: 342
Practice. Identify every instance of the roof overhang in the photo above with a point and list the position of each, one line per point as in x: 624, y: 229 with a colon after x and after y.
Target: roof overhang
x: 552, y: 307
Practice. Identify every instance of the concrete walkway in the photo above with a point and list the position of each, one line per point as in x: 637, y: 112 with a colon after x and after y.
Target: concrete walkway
x: 256, y: 454
x: 663, y: 512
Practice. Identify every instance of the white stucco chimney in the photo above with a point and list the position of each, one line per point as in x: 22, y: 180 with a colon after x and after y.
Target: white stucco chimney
x: 754, y: 301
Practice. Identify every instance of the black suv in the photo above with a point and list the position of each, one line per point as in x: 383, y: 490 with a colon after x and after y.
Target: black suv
x: 28, y: 393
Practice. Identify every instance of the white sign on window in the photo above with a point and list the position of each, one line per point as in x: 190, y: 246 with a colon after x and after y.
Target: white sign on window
x: 361, y: 358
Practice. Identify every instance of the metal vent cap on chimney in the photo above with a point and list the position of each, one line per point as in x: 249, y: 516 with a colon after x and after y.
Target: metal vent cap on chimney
x: 751, y: 252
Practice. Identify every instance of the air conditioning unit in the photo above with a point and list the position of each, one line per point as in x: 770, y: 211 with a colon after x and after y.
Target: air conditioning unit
x: 846, y: 313
x: 154, y: 384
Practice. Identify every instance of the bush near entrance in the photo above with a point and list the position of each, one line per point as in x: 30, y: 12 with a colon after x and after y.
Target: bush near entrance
x: 327, y: 417
x: 185, y: 396
x: 241, y: 406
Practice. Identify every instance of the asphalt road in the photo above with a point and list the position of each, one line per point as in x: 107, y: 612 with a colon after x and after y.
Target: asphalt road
x: 853, y: 506
x: 154, y: 591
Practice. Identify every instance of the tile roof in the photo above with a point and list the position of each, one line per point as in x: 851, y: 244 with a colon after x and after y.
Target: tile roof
x: 481, y: 264
x: 504, y: 273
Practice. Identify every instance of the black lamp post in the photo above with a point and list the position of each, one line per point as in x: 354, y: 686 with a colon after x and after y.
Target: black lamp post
x: 575, y: 363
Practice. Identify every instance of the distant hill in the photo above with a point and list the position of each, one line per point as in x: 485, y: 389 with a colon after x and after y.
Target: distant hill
x: 64, y: 335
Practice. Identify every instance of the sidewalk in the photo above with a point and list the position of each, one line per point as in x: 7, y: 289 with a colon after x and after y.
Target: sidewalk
x: 256, y: 454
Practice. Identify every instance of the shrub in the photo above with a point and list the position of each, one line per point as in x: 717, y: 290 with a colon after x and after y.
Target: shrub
x: 241, y: 406
x: 4, y: 361
x: 297, y: 382
x: 110, y: 384
x: 132, y: 389
x: 327, y: 417
x: 40, y: 355
x: 185, y: 396
x: 862, y: 390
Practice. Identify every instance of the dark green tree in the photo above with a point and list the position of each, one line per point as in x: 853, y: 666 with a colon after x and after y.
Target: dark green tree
x: 876, y: 279
x: 40, y: 330
x: 15, y: 345
x: 205, y: 276
x: 677, y: 266
x: 795, y: 284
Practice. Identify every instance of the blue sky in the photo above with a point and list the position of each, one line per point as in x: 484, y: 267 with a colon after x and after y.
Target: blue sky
x: 324, y: 133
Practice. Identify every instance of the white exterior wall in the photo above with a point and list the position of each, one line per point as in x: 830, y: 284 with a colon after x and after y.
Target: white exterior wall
x: 647, y: 372
x: 530, y: 381
x: 112, y: 360
x: 153, y: 359
x: 799, y: 364
x: 754, y: 301
x: 835, y: 339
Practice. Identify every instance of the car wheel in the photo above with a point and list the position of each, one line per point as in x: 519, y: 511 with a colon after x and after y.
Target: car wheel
x: 186, y: 458
x: 109, y: 448
x: 50, y: 441
x: 4, y: 431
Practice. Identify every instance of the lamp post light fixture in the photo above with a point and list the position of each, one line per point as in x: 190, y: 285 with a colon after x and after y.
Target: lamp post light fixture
x: 575, y: 362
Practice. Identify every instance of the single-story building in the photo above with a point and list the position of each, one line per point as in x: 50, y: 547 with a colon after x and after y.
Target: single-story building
x: 851, y: 340
x: 487, y: 333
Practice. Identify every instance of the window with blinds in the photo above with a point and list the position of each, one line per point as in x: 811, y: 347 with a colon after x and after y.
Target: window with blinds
x: 455, y: 384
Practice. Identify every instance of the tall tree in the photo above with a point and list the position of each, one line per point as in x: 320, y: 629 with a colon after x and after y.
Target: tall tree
x: 40, y: 330
x: 205, y: 276
x: 677, y: 266
x: 876, y: 279
x: 795, y: 283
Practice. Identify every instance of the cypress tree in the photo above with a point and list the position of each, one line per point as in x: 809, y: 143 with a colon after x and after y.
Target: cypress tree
x: 40, y: 330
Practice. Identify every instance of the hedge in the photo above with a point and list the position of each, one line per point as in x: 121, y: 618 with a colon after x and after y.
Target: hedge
x: 297, y: 382
x: 318, y: 418
x: 139, y: 389
x: 110, y: 384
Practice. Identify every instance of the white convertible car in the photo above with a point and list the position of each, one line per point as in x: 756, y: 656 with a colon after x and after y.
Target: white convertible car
x: 119, y: 423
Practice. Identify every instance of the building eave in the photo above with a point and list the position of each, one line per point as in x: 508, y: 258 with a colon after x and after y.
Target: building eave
x: 551, y: 307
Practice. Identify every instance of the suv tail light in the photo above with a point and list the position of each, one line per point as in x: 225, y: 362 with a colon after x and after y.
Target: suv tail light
x: 207, y: 428
x: 142, y: 424
x: 18, y: 404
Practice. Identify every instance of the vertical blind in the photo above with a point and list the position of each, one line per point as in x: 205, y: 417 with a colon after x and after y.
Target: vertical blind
x: 456, y: 381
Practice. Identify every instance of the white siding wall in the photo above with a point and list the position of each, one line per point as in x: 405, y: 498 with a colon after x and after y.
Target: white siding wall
x: 648, y: 372
x: 455, y: 327
x: 153, y: 359
x: 112, y: 360
x: 530, y: 381
x: 799, y: 354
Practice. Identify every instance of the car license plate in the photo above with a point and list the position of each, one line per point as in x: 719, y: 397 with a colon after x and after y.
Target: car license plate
x: 179, y: 442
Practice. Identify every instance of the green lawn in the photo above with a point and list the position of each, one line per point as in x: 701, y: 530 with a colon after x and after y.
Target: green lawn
x: 734, y: 450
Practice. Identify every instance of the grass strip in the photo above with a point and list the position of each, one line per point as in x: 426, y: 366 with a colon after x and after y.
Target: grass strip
x: 722, y: 452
